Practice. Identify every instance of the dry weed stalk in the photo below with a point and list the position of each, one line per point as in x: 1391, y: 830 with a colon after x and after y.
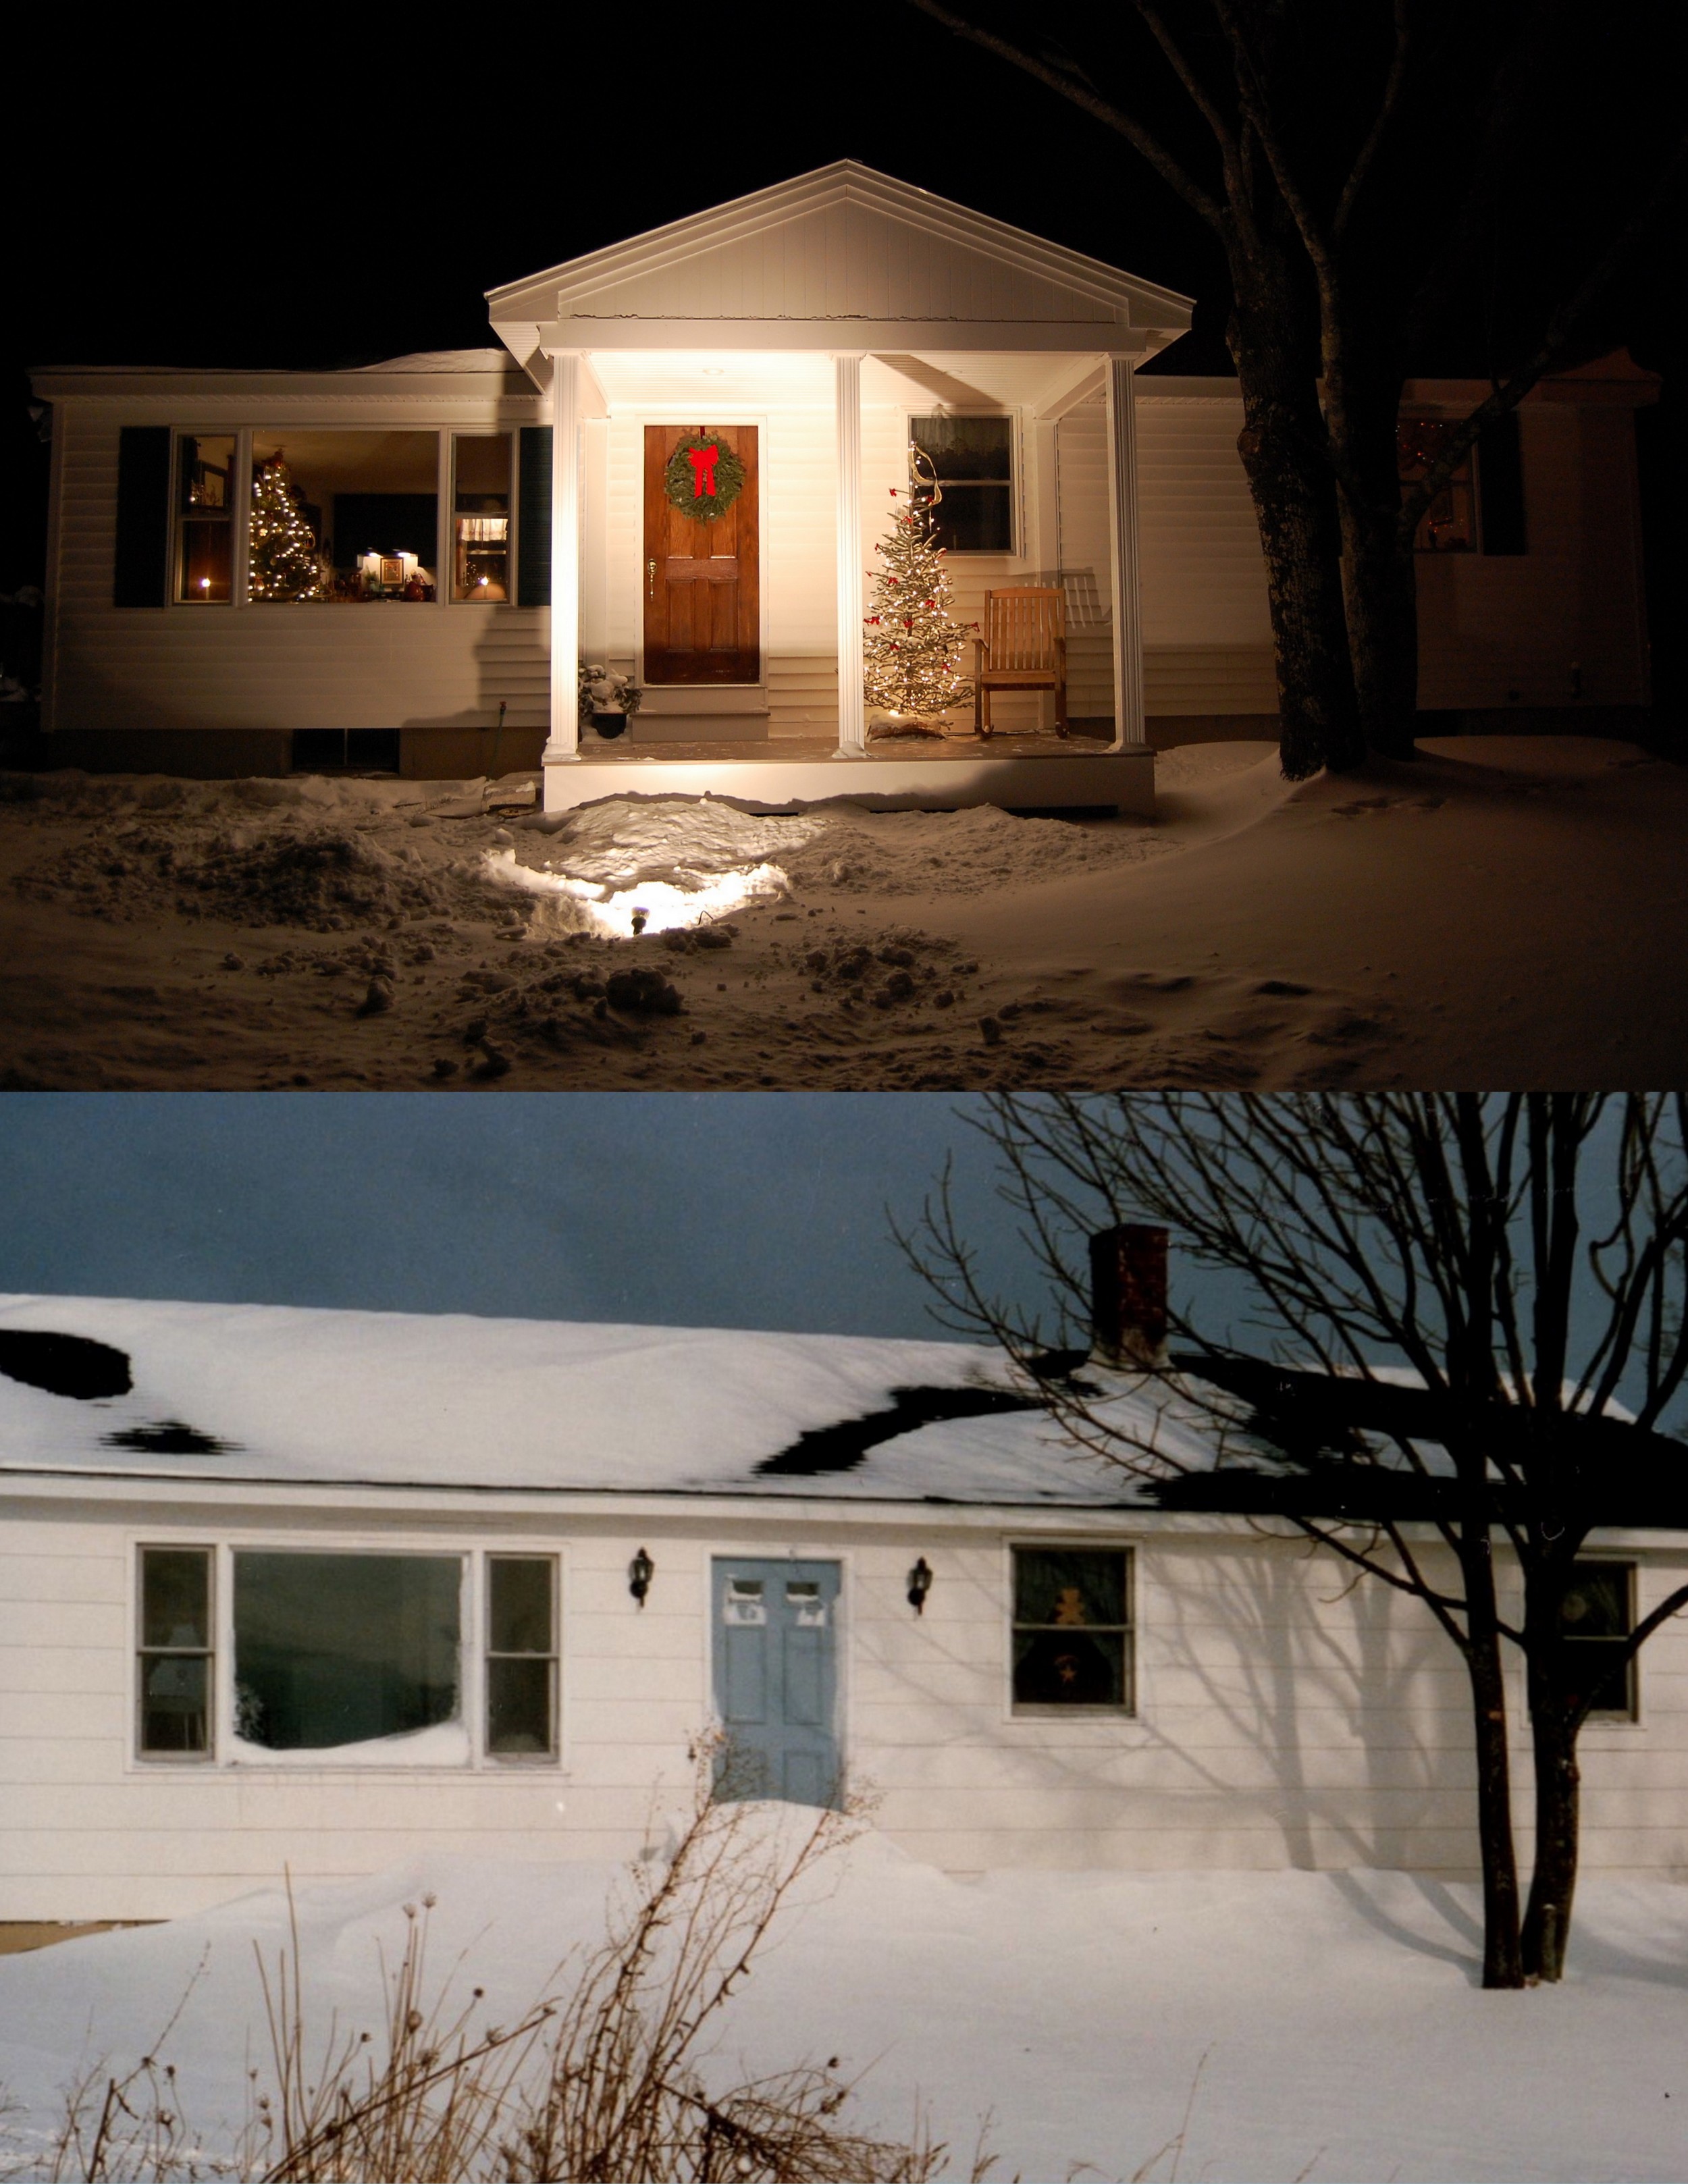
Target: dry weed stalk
x: 604, y: 2083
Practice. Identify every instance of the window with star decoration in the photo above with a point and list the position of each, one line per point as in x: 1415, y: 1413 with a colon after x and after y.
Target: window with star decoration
x: 1072, y: 1634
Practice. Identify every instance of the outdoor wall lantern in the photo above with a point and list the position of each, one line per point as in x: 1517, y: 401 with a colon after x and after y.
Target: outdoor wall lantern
x: 920, y: 1583
x: 640, y: 1572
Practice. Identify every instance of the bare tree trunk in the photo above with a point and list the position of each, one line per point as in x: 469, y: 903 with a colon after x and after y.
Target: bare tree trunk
x: 1284, y: 451
x: 1502, y: 1954
x: 1380, y: 586
x: 1552, y: 1886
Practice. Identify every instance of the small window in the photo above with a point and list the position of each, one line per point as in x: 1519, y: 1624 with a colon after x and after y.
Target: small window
x: 347, y: 519
x: 1597, y: 1616
x: 1449, y: 524
x: 480, y: 568
x: 205, y: 514
x: 1071, y: 1638
x: 175, y: 1665
x: 521, y: 1656
x: 972, y: 459
x: 333, y: 1651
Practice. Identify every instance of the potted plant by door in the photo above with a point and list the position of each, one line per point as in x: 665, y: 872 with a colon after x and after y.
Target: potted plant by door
x: 608, y: 699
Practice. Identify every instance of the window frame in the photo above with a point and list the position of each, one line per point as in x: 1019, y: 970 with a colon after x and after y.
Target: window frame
x: 553, y: 1658
x: 141, y: 1654
x: 451, y: 434
x: 179, y: 518
x: 1628, y: 1714
x: 1014, y: 551
x: 1129, y: 1710
x: 473, y: 1559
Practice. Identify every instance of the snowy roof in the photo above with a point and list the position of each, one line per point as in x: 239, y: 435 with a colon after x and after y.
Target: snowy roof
x: 284, y: 1394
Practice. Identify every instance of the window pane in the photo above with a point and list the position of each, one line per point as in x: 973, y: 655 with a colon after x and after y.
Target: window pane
x: 966, y: 447
x: 1449, y: 524
x: 176, y: 1597
x: 175, y: 1715
x: 481, y: 517
x: 341, y: 1649
x: 519, y: 1605
x: 1069, y: 1668
x: 1597, y: 1605
x: 1071, y: 1588
x: 519, y: 1709
x: 349, y: 518
x: 974, y: 519
x: 205, y: 506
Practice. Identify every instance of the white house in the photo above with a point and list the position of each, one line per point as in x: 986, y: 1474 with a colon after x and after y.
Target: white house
x: 505, y: 511
x: 332, y: 1589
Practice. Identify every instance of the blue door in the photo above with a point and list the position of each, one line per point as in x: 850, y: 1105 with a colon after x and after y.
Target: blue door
x: 776, y: 1680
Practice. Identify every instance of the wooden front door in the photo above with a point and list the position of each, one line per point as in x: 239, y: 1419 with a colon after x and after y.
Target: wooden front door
x: 702, y: 590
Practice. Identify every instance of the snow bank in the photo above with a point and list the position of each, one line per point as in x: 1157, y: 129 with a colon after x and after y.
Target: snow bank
x: 446, y: 1744
x: 1322, y: 2025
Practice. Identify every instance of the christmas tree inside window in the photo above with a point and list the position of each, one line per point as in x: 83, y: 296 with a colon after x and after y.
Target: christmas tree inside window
x: 344, y: 518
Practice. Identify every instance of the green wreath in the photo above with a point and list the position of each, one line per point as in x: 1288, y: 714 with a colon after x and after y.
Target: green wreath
x: 680, y: 479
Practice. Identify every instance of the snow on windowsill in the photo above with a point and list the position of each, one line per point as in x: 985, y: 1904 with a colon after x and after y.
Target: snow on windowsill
x: 446, y: 1744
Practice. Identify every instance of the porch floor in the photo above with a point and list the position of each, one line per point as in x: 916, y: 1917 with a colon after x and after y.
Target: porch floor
x: 1028, y: 772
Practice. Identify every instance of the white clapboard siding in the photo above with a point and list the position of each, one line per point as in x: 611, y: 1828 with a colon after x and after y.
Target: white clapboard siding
x: 1566, y: 619
x: 842, y: 260
x: 1283, y: 1719
x: 254, y: 667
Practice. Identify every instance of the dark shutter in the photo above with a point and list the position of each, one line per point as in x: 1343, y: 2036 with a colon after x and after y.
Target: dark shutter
x: 533, y: 523
x: 141, y: 575
x: 1500, y: 485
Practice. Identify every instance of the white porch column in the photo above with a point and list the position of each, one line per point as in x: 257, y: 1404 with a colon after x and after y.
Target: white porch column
x: 852, y: 713
x: 563, y: 742
x: 1128, y: 729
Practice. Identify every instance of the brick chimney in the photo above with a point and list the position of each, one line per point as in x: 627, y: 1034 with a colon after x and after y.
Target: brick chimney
x: 1129, y: 1296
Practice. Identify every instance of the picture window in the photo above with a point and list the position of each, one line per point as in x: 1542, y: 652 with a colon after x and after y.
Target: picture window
x: 1072, y: 1631
x: 1449, y: 524
x: 348, y: 518
x: 339, y: 1650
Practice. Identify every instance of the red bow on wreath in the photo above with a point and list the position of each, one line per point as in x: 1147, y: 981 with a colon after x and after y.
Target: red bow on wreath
x: 703, y: 461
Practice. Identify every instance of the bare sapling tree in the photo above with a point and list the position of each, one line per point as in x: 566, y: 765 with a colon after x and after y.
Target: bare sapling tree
x: 1466, y: 1330
x: 1352, y: 158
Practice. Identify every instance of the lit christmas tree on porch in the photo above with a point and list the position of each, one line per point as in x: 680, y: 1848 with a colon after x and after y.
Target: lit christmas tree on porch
x: 283, y: 556
x: 911, y: 648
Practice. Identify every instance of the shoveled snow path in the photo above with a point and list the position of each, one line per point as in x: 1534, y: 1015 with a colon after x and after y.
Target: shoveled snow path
x: 1334, y: 2019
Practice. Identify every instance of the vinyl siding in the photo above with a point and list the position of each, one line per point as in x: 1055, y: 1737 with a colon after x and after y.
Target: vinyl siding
x: 1282, y: 1720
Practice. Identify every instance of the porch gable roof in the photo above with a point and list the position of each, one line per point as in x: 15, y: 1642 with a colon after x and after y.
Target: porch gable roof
x: 841, y: 258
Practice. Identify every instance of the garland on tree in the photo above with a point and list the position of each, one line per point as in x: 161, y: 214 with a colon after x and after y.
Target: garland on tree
x: 283, y: 556
x: 911, y: 646
x: 704, y: 478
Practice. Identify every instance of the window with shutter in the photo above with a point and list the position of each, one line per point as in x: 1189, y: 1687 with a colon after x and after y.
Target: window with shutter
x: 534, y: 519
x: 141, y: 572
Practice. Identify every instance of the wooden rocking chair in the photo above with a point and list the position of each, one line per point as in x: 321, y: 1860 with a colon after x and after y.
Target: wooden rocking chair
x: 1024, y: 647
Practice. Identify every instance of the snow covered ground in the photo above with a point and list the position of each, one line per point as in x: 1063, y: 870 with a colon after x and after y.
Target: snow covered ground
x: 1489, y: 914
x: 1322, y: 2026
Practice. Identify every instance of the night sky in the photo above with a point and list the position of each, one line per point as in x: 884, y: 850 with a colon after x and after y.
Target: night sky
x: 343, y: 189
